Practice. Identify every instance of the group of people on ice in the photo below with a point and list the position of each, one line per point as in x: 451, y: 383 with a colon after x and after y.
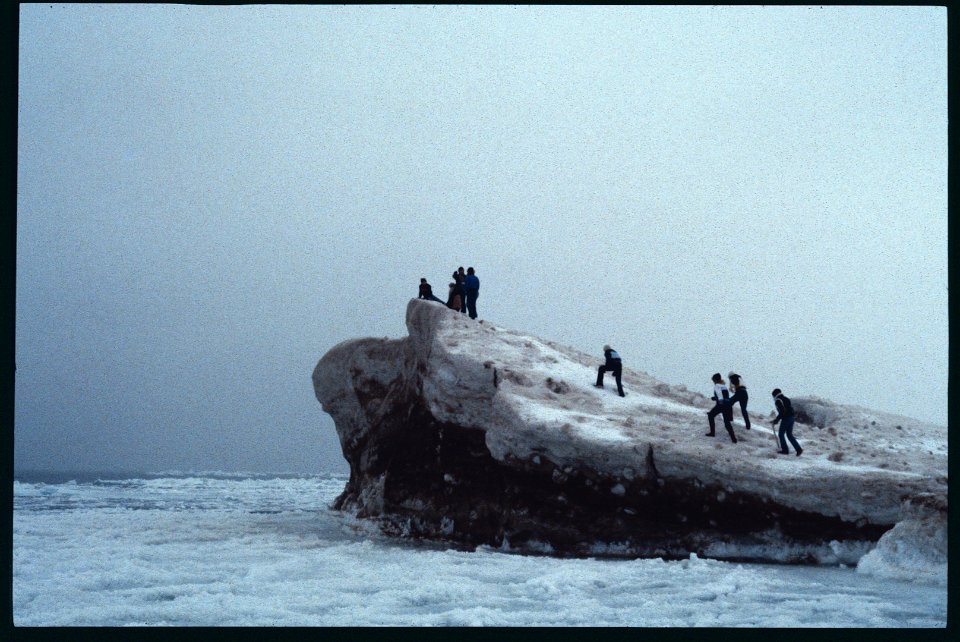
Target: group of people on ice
x: 463, y: 292
x: 462, y: 296
x: 724, y: 402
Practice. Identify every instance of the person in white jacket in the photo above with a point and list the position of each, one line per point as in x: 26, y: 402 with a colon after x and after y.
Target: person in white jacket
x: 723, y: 406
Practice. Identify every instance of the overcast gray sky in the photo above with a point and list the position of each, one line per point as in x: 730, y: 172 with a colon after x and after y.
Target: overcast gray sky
x: 209, y: 198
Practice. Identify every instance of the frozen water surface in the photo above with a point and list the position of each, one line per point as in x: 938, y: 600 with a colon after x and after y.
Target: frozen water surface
x: 224, y: 550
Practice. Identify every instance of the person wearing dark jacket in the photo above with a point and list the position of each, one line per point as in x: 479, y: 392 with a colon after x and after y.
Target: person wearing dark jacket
x: 721, y: 395
x: 786, y: 417
x: 739, y: 396
x: 612, y: 364
x: 426, y: 292
x: 471, y: 285
x: 458, y: 279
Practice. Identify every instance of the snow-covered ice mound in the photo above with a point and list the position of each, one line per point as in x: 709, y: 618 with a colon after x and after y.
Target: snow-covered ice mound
x: 481, y: 435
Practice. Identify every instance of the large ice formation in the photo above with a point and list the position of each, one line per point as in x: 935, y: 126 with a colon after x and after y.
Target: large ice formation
x: 479, y: 435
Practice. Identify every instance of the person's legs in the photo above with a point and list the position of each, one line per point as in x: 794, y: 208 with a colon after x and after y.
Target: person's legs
x: 472, y: 304
x: 710, y: 415
x: 788, y: 429
x: 600, y: 372
x: 783, y: 442
x: 746, y: 417
x: 616, y: 374
x: 728, y: 422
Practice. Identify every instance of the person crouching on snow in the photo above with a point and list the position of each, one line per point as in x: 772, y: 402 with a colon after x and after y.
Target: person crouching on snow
x: 426, y: 292
x: 454, y: 298
x: 612, y: 364
x: 722, y: 396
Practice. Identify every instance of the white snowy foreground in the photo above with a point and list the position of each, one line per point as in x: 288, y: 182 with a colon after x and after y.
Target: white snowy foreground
x: 468, y: 432
x: 233, y: 551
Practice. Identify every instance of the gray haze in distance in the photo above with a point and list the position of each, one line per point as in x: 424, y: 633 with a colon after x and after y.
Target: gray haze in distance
x: 209, y: 198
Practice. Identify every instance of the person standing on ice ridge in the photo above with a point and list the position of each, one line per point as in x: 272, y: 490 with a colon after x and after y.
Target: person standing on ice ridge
x: 458, y: 278
x: 612, y: 364
x: 722, y: 396
x: 786, y: 416
x: 739, y: 395
x: 471, y: 285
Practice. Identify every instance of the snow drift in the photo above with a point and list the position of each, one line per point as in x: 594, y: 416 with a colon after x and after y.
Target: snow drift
x: 479, y: 435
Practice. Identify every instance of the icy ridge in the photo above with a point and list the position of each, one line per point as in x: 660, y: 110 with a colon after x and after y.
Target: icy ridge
x: 533, y: 402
